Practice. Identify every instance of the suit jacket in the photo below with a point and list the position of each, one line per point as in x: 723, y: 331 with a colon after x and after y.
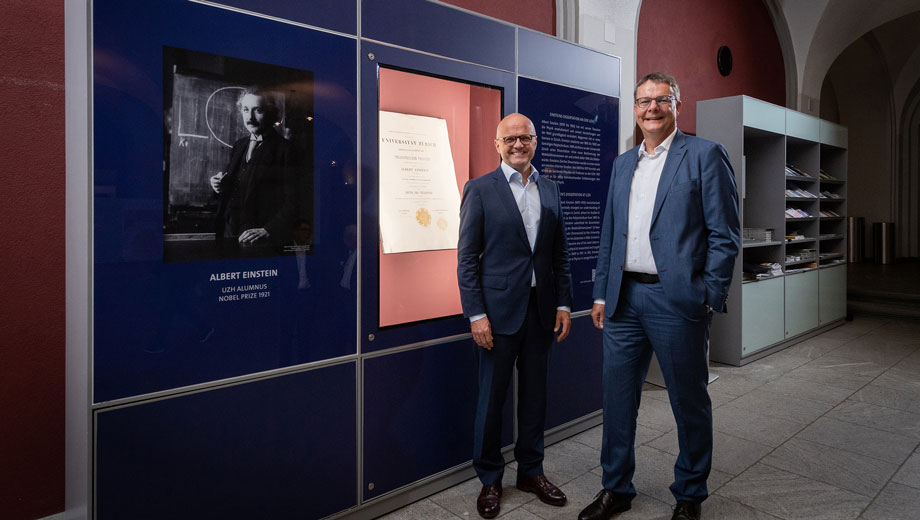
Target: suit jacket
x: 694, y: 234
x: 269, y: 198
x: 494, y: 259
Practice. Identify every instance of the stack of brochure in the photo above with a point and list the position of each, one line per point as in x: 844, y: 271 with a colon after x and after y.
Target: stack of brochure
x: 796, y: 213
x: 792, y: 171
x: 794, y: 237
x: 751, y: 271
x: 829, y: 195
x: 828, y: 213
x: 799, y: 192
x: 826, y: 176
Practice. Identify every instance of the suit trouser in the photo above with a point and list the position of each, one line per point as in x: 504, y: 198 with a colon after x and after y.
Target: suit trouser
x: 645, y: 321
x: 528, y: 348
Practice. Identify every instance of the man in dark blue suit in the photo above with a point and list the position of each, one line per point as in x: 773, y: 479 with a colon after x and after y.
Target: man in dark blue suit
x: 515, y: 287
x: 668, y: 245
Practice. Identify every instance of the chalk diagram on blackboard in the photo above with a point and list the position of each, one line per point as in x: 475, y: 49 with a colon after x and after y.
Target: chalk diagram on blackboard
x: 204, y: 130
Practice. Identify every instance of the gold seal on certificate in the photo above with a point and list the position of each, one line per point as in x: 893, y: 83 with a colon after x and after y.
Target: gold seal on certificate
x: 423, y: 217
x: 442, y: 224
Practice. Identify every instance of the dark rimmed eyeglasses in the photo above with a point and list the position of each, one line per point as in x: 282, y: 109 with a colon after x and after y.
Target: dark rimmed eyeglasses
x: 663, y: 101
x: 511, y: 139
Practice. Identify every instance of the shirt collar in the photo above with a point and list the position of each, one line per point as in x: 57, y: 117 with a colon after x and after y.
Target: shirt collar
x: 255, y: 137
x: 663, y: 147
x: 509, y: 172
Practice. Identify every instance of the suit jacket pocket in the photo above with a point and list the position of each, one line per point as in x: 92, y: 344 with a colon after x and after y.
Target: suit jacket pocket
x: 494, y: 281
x: 685, y: 186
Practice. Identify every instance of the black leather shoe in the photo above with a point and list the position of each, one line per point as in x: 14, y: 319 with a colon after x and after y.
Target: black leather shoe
x: 606, y: 504
x: 544, y: 489
x: 687, y: 511
x: 488, y: 504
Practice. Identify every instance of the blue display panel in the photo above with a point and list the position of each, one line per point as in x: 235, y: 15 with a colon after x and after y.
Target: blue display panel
x: 558, y: 61
x: 439, y: 29
x: 573, y: 384
x: 337, y: 15
x: 374, y: 337
x: 577, y: 135
x: 419, y: 407
x: 175, y: 302
x: 278, y: 448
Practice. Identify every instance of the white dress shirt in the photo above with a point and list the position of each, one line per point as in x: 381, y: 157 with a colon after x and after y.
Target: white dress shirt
x: 527, y: 198
x: 642, y: 194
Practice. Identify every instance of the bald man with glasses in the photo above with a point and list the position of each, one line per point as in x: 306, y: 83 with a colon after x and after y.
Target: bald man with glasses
x: 516, y: 290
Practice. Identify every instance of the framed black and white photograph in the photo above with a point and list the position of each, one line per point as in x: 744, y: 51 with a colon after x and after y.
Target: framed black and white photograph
x: 237, y: 158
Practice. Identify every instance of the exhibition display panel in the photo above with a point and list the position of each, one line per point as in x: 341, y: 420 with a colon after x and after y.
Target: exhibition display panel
x: 273, y: 326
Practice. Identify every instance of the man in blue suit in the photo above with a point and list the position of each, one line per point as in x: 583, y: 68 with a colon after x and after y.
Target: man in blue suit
x: 668, y: 245
x: 516, y: 290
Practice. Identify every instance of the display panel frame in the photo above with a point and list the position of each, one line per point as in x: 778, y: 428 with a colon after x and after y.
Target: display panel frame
x: 160, y: 326
x: 374, y: 337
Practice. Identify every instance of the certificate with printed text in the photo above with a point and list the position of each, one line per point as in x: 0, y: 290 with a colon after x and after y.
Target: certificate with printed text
x: 419, y: 199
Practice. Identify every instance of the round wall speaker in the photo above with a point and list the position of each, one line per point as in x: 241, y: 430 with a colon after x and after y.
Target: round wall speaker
x: 724, y: 60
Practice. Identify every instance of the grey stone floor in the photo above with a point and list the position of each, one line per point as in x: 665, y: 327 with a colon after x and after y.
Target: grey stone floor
x: 826, y: 429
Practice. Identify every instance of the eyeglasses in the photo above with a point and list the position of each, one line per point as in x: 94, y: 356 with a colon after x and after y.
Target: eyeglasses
x: 663, y: 101
x: 511, y: 139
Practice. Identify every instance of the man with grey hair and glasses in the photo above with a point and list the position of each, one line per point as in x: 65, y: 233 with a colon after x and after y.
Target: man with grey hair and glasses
x: 669, y: 240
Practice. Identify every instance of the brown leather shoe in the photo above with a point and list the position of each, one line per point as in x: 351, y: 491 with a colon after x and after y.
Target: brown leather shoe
x: 488, y: 502
x: 687, y: 511
x: 544, y: 489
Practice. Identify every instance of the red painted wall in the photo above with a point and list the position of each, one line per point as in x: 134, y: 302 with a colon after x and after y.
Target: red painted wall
x: 681, y: 37
x: 32, y: 259
x: 539, y: 15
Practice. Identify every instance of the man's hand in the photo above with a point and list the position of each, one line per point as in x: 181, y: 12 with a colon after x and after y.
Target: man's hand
x: 482, y: 333
x: 563, y: 325
x: 251, y: 235
x: 597, y: 315
x: 215, y: 181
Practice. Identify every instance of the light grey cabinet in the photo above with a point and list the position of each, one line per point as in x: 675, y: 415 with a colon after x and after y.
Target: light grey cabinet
x: 790, y: 169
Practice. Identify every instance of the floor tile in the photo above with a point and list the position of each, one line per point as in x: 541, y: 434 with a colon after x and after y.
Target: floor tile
x: 781, y: 406
x: 767, y: 368
x: 838, y: 371
x: 565, y: 461
x: 846, y: 470
x: 730, y: 454
x: 813, y: 348
x: 909, y: 474
x: 790, y: 496
x: 422, y: 510
x: 859, y: 439
x: 801, y: 389
x: 888, y: 419
x: 877, y: 348
x: 720, y: 508
x: 895, y: 502
x: 656, y: 414
x: 730, y: 384
x: 910, y: 363
x: 591, y: 438
x: 899, y: 398
x: 754, y: 426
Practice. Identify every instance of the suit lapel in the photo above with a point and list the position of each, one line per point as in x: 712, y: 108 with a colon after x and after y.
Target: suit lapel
x: 545, y: 197
x: 624, y: 177
x: 675, y: 156
x: 506, y: 199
